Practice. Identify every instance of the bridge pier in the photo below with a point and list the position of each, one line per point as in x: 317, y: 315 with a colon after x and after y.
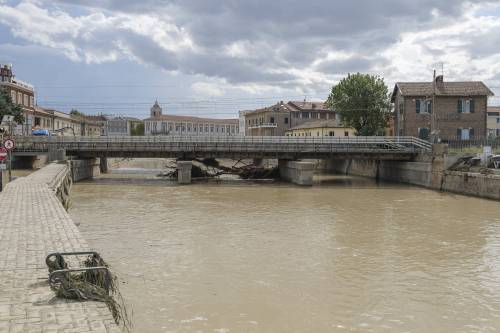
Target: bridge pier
x: 104, y: 164
x: 184, y: 172
x: 297, y: 172
x: 85, y: 169
x: 258, y: 162
x: 56, y: 155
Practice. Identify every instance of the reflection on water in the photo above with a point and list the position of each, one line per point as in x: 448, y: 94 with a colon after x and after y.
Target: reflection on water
x: 349, y: 255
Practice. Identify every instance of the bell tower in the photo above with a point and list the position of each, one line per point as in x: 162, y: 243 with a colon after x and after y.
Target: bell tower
x: 156, y: 110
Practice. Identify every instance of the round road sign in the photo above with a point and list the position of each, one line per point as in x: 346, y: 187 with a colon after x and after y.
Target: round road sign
x: 3, y: 154
x: 9, y: 144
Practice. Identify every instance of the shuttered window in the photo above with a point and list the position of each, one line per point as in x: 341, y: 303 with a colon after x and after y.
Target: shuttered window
x: 423, y: 106
x: 466, y: 106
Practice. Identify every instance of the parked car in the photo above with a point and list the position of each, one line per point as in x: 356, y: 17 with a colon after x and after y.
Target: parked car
x: 40, y: 132
x: 495, y: 160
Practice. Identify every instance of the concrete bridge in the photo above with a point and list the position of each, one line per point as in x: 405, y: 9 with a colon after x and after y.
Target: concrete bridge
x: 288, y: 150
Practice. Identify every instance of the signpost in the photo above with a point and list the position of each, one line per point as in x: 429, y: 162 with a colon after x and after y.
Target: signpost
x: 3, y: 154
x: 3, y: 157
x: 9, y: 144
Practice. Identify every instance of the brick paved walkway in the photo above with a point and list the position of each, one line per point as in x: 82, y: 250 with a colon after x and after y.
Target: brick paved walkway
x: 33, y: 223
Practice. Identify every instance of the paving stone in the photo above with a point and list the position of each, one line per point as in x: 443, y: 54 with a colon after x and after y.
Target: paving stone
x: 33, y: 224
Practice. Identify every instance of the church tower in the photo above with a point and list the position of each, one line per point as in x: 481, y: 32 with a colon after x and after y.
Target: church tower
x: 156, y: 110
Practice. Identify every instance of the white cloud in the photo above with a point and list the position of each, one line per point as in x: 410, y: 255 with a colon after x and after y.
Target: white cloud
x: 270, y: 46
x: 206, y: 89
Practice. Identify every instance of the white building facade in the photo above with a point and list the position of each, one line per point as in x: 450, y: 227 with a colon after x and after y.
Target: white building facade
x: 160, y: 124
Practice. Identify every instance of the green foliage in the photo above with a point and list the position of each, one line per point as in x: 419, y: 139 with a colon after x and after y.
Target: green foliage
x: 362, y: 101
x: 75, y: 112
x: 137, y: 129
x: 7, y: 108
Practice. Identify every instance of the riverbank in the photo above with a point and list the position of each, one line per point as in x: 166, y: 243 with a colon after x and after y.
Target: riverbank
x: 34, y: 224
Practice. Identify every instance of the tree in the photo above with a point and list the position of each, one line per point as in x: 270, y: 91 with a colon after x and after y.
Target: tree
x: 75, y: 112
x: 137, y: 129
x: 362, y: 101
x: 8, y: 108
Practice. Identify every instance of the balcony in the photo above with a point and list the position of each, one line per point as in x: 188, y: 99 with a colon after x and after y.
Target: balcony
x: 18, y: 83
x: 263, y: 125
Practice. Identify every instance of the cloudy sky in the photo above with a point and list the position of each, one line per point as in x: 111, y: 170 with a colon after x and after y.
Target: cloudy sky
x: 215, y: 57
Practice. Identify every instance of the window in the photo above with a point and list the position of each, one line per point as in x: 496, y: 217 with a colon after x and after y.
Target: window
x: 26, y: 100
x: 317, y: 133
x: 19, y: 98
x: 346, y: 133
x: 466, y: 106
x: 498, y: 120
x: 37, y: 121
x: 423, y: 106
x: 271, y: 120
x: 465, y: 133
x: 32, y: 101
x: 331, y: 133
x: 286, y: 120
x: 13, y: 96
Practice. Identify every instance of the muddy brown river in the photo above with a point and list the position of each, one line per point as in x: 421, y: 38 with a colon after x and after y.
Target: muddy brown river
x: 346, y: 255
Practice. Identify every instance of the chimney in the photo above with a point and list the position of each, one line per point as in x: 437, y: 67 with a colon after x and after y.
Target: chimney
x: 439, y: 79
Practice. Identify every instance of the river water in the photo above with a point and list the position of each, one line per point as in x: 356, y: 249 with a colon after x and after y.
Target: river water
x: 347, y: 255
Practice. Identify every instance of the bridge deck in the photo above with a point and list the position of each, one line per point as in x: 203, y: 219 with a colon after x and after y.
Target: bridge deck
x: 230, y: 146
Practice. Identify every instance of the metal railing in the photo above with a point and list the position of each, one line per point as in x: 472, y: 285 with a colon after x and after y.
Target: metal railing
x: 227, y: 143
x: 474, y: 142
x: 263, y: 125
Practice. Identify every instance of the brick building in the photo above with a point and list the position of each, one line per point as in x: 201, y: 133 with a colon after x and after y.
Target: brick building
x: 277, y: 119
x: 447, y: 110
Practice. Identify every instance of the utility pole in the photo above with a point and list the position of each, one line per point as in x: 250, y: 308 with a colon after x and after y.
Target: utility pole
x: 433, y: 109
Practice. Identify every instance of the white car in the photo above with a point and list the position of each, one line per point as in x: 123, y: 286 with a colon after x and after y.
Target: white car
x: 495, y: 159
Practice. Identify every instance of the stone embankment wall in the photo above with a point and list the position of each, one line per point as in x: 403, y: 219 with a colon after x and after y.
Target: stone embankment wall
x: 428, y: 171
x: 416, y: 173
x: 33, y: 224
x: 473, y: 184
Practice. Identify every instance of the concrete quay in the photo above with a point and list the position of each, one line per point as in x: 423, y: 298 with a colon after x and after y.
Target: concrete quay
x: 34, y: 223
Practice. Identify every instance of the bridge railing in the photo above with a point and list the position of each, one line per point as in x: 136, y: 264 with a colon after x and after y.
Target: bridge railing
x: 242, y: 143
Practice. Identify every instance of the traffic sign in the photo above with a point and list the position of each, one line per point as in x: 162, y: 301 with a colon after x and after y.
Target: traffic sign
x: 9, y: 144
x: 3, y: 154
